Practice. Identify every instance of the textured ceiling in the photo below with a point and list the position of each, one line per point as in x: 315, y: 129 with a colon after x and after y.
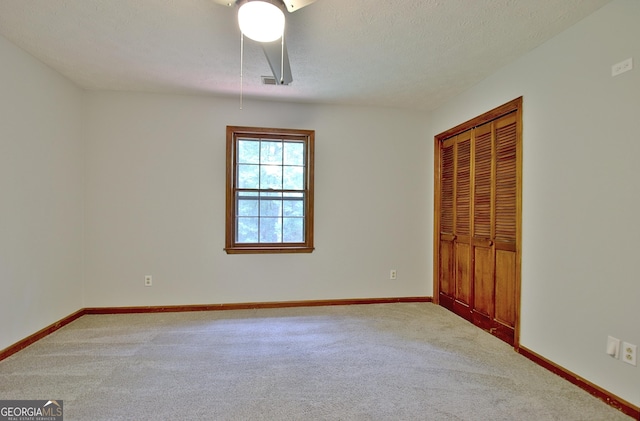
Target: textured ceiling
x: 398, y: 53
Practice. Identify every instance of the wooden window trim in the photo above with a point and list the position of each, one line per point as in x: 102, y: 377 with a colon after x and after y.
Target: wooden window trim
x: 231, y: 246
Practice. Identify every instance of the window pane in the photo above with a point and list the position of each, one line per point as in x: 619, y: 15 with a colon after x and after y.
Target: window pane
x: 293, y: 230
x: 248, y: 152
x: 293, y: 206
x: 271, y: 177
x: 247, y: 231
x: 293, y: 178
x: 270, y: 207
x: 294, y: 153
x: 270, y: 230
x: 247, y: 204
x: 248, y: 176
x: 271, y: 152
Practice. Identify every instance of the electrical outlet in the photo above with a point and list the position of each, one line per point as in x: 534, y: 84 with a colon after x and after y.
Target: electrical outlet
x: 148, y: 281
x: 623, y: 66
x: 613, y: 347
x: 629, y: 353
x: 393, y: 274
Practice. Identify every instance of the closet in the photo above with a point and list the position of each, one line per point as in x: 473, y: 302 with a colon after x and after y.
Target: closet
x: 478, y: 190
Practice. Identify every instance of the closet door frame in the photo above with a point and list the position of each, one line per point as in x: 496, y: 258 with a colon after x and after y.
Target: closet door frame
x: 510, y: 107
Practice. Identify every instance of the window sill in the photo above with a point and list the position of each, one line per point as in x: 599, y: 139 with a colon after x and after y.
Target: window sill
x: 267, y: 250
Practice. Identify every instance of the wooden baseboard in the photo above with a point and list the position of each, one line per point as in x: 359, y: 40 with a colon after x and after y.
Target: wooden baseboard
x: 18, y: 346
x: 609, y: 398
x: 255, y: 305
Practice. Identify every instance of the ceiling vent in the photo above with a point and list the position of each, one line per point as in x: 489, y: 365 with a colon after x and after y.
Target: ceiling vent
x: 269, y: 80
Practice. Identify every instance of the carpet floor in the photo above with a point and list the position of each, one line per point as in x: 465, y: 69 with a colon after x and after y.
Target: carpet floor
x: 408, y: 361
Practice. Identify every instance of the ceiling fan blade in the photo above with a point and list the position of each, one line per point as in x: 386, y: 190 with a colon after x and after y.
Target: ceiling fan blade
x: 293, y: 5
x: 228, y: 3
x: 273, y: 51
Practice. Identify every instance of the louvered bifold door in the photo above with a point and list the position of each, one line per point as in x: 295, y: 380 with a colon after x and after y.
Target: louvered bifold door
x: 462, y: 218
x: 479, y: 211
x: 447, y: 236
x: 506, y: 212
x: 483, y: 226
x: 455, y: 292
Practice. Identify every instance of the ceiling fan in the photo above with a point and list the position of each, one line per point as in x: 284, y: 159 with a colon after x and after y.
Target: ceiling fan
x: 264, y: 21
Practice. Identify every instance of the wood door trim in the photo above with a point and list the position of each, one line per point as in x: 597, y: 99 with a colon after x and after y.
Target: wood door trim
x: 437, y: 175
x: 511, y: 106
x: 514, y: 105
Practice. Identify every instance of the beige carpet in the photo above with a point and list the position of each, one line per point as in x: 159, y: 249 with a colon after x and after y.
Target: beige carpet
x: 361, y: 362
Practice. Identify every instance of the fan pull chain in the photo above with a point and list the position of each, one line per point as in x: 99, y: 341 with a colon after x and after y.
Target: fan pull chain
x: 241, y: 63
x: 282, y: 62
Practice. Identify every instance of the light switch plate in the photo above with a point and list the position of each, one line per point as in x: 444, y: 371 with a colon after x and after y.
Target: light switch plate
x: 613, y: 347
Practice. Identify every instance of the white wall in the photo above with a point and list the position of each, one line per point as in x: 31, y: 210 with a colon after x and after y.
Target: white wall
x: 40, y: 195
x: 155, y: 203
x: 581, y: 192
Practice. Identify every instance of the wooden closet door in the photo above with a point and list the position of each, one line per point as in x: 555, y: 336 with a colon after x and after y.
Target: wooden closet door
x: 446, y: 278
x: 455, y: 225
x: 462, y: 241
x: 483, y: 226
x: 478, y: 217
x: 506, y: 214
x: 494, y: 226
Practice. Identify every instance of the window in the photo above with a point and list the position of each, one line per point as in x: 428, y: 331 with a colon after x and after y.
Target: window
x: 269, y: 190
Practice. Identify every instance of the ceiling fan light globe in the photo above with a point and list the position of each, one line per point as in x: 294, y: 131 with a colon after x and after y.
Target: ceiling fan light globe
x: 261, y: 21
